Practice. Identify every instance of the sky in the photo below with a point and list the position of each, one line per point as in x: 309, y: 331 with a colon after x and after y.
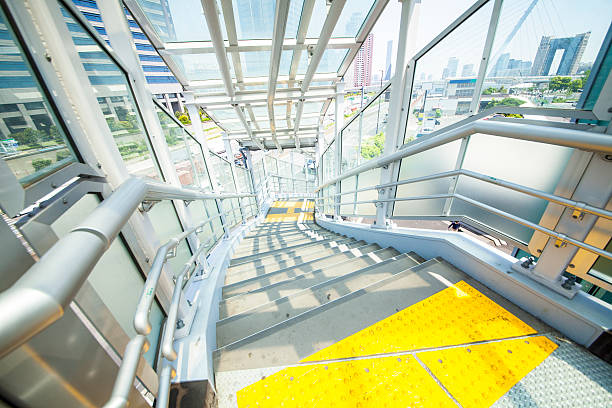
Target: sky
x: 559, y: 18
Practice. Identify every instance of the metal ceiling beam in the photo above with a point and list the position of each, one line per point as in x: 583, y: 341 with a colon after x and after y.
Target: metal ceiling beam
x: 331, y: 20
x: 218, y: 101
x: 246, y: 125
x: 216, y: 36
x: 281, y: 14
x: 289, y: 44
x: 298, y: 117
x: 328, y: 27
x: 307, y: 9
x: 282, y: 79
x: 232, y: 38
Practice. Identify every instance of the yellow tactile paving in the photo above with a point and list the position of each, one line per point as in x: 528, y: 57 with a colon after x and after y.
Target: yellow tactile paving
x: 456, y: 315
x: 479, y: 375
x: 291, y: 214
x: 380, y: 382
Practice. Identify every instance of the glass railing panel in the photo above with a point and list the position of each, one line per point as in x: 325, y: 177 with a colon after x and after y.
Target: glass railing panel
x: 522, y: 162
x: 166, y: 225
x: 31, y: 142
x: 436, y: 160
x: 445, y: 77
x: 115, y: 278
x: 367, y: 179
x: 115, y: 100
x: 543, y: 64
x: 284, y: 168
x: 328, y: 162
x: 198, y: 213
x: 197, y: 157
x: 270, y: 163
x: 212, y: 209
x: 223, y: 169
x: 258, y: 172
x: 347, y: 184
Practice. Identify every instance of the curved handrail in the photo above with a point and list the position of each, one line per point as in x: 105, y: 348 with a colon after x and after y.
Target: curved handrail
x: 583, y: 207
x: 579, y: 139
x: 40, y: 296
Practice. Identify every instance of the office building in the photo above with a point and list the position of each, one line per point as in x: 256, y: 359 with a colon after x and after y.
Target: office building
x: 559, y: 56
x: 362, y: 66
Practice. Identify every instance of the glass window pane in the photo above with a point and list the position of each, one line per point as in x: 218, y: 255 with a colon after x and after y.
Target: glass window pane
x: 115, y: 278
x: 179, y: 151
x: 331, y: 60
x: 31, y: 143
x: 200, y: 67
x: 179, y: 20
x: 536, y: 64
x: 116, y: 101
x: 441, y: 93
x: 353, y: 15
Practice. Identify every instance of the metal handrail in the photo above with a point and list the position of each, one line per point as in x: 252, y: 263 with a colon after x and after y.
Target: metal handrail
x: 131, y: 356
x: 583, y: 207
x: 556, y: 136
x: 562, y: 237
x: 40, y: 296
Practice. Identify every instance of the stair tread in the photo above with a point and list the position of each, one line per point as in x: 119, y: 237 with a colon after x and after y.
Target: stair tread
x: 244, y: 301
x: 275, y: 312
x: 288, y: 251
x: 311, y: 331
x: 241, y: 252
x: 252, y: 279
x: 294, y: 260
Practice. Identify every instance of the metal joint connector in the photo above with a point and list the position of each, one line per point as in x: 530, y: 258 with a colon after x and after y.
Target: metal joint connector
x: 578, y: 213
x: 561, y: 241
x: 146, y: 206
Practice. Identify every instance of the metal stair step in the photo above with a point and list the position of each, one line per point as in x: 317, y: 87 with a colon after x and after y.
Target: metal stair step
x: 286, y: 260
x: 241, y: 252
x: 244, y: 301
x: 252, y: 257
x: 275, y: 312
x: 311, y: 331
x: 250, y: 280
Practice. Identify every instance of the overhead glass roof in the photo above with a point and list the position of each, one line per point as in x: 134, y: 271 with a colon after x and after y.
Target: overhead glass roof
x: 229, y: 70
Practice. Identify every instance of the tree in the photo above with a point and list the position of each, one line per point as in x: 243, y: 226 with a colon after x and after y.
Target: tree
x: 505, y: 102
x: 184, y: 119
x: 502, y: 90
x: 27, y: 137
x: 559, y: 83
x: 373, y: 146
x: 40, y: 164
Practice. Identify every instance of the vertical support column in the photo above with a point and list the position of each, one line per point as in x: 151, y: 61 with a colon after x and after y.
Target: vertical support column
x: 486, y: 55
x: 393, y: 135
x: 595, y: 188
x: 122, y: 42
x: 230, y: 156
x: 338, y: 125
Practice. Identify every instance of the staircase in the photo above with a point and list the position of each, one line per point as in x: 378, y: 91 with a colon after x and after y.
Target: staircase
x: 298, y: 294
